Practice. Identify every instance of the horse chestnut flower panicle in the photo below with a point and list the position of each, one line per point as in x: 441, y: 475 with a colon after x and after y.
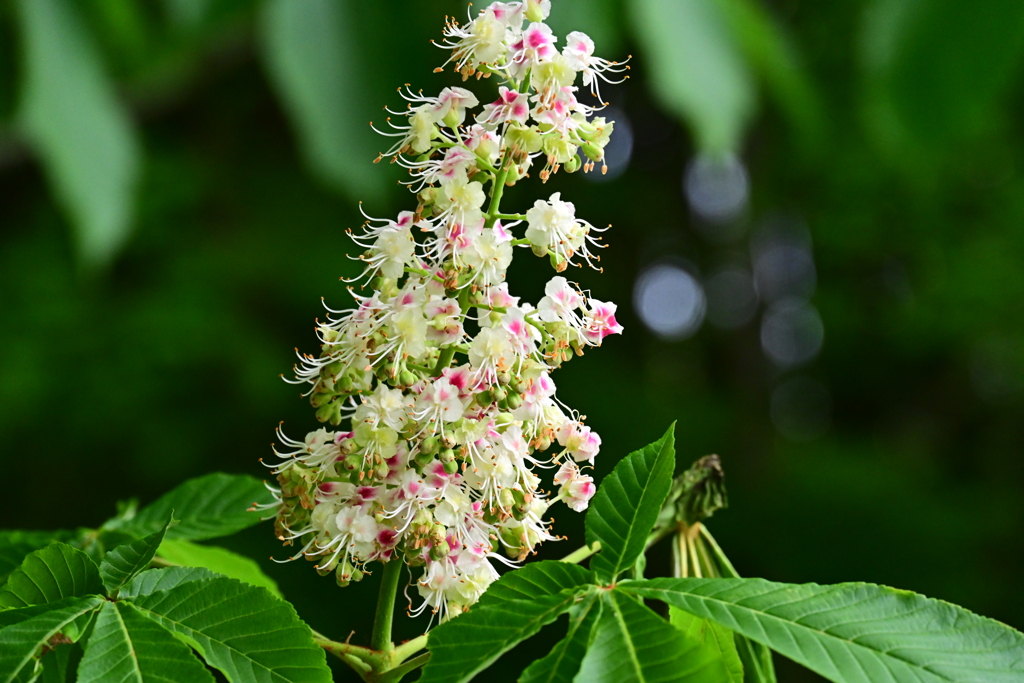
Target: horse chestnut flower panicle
x: 442, y: 378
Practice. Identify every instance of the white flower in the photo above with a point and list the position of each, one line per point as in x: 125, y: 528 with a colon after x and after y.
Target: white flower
x: 483, y: 142
x: 600, y: 321
x: 578, y: 50
x: 385, y: 405
x: 445, y: 321
x: 576, y: 489
x: 452, y: 104
x: 463, y: 199
x: 579, y: 441
x: 536, y: 45
x: 393, y: 251
x: 491, y: 348
x: 553, y: 227
x: 440, y: 402
x: 481, y: 41
x: 560, y: 302
x: 409, y: 328
x: 511, y: 106
x: 489, y: 254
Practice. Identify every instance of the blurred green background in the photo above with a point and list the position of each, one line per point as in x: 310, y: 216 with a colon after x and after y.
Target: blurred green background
x: 817, y: 253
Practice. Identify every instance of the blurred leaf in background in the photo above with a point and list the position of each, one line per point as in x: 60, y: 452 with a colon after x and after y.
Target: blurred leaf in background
x: 935, y: 70
x: 310, y: 49
x: 706, y: 57
x: 71, y: 113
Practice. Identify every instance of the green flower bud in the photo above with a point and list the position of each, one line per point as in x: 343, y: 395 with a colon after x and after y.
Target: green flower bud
x: 514, y: 401
x: 440, y: 551
x: 318, y: 400
x: 451, y: 467
x: 573, y: 164
x: 447, y: 455
x: 506, y: 499
x: 513, y: 175
x: 327, y: 566
x: 407, y: 378
x: 429, y: 445
x: 484, y: 398
x: 326, y: 412
x: 533, y: 11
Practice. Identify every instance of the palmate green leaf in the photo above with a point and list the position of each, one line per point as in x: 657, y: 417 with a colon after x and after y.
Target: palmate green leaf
x: 155, y: 580
x: 206, y: 507
x: 633, y: 644
x: 717, y: 639
x: 563, y: 662
x: 71, y: 114
x: 310, y: 50
x: 243, y: 631
x: 127, y: 647
x: 21, y: 642
x: 853, y: 632
x: 15, y: 545
x: 122, y: 563
x: 514, y: 608
x: 627, y: 504
x: 50, y: 574
x: 219, y: 560
x: 546, y: 577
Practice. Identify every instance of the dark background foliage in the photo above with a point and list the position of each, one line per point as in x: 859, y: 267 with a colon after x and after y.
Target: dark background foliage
x: 866, y: 401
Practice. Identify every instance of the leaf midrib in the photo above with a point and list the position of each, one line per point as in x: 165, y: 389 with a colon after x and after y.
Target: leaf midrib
x: 644, y: 494
x: 621, y: 621
x: 795, y: 624
x: 574, y: 626
x: 134, y: 655
x: 277, y: 676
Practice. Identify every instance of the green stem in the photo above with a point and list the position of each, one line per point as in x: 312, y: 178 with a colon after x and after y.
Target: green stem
x: 581, y: 554
x: 396, y: 674
x: 381, y: 639
x: 511, y: 216
x: 409, y: 648
x: 444, y: 360
x: 725, y: 566
x: 496, y: 191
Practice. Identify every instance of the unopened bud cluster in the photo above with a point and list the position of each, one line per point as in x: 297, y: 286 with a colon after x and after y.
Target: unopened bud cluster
x: 440, y: 376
